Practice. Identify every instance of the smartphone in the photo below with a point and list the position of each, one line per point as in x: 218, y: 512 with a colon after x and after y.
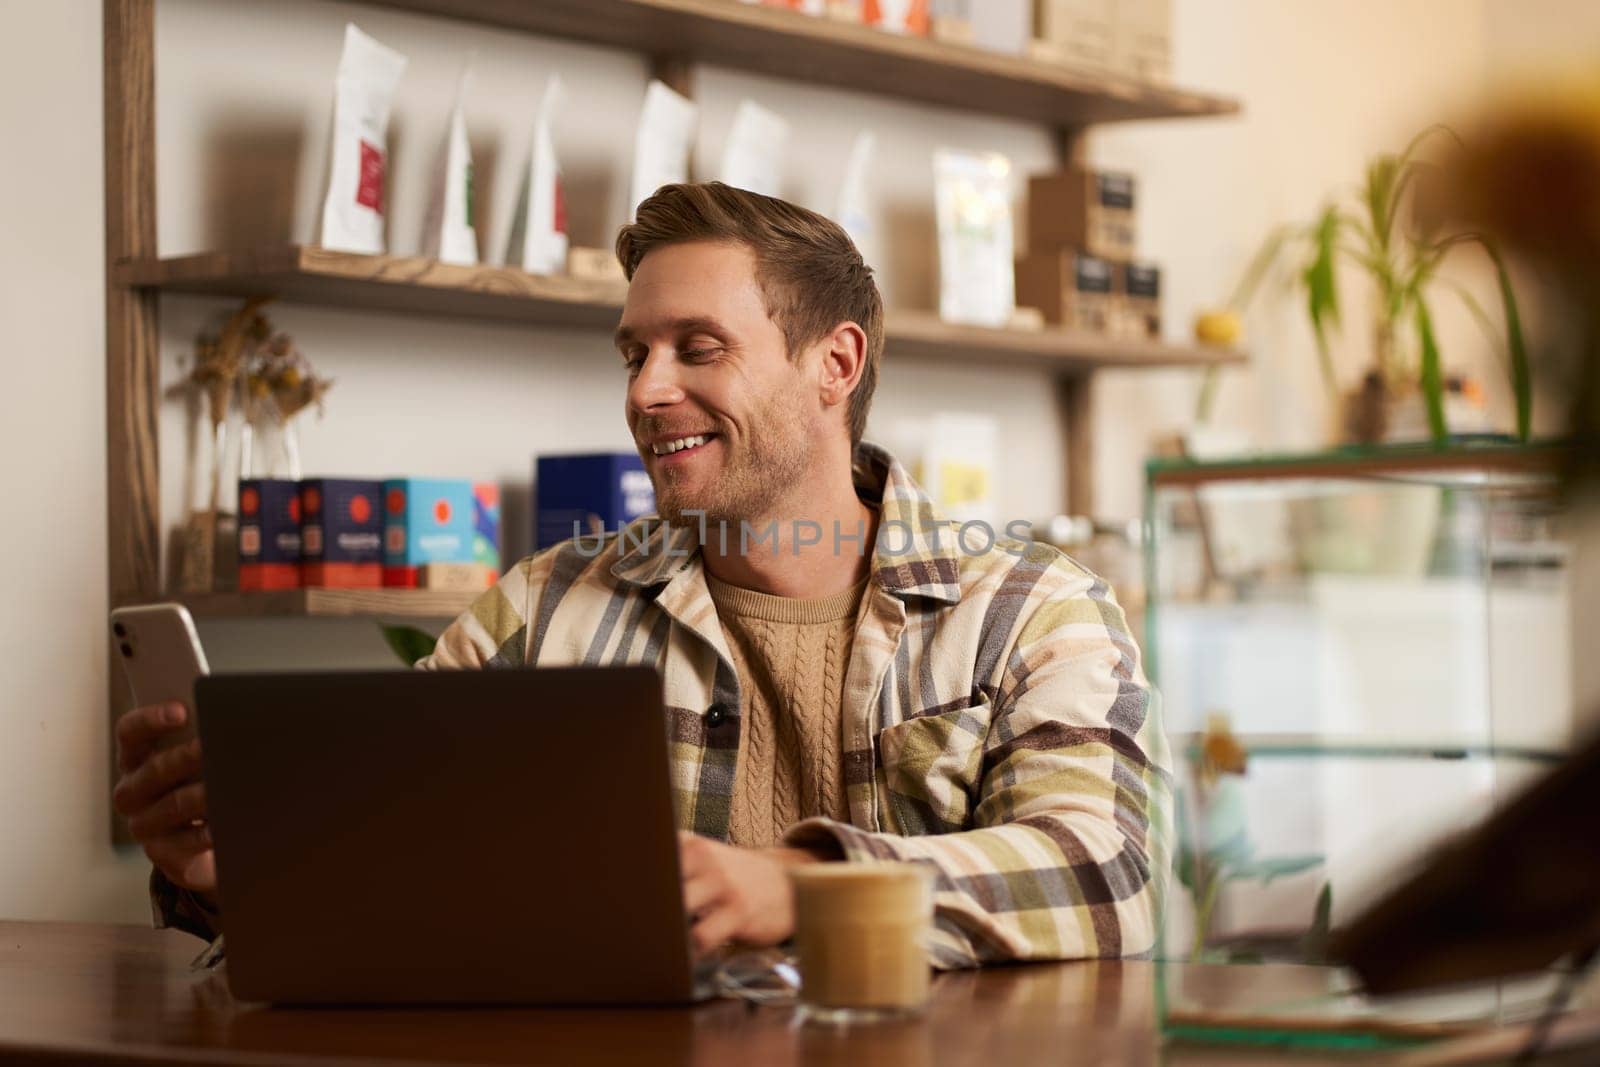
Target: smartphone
x: 161, y: 658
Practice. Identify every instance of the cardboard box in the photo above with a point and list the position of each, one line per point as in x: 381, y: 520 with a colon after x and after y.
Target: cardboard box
x: 425, y: 520
x: 486, y: 527
x: 341, y: 533
x: 1075, y: 33
x: 269, y: 534
x: 455, y: 577
x: 588, y: 494
x: 1073, y: 290
x: 1141, y: 40
x: 1139, y: 302
x: 1083, y: 209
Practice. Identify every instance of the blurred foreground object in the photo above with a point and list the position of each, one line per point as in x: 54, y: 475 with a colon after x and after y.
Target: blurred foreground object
x: 1532, y: 180
x: 1517, y: 895
x: 1523, y: 891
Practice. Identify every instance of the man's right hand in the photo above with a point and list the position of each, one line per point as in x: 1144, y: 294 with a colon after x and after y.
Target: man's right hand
x: 161, y: 795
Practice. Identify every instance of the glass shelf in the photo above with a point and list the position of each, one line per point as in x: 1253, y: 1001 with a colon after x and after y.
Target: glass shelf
x: 1361, y: 653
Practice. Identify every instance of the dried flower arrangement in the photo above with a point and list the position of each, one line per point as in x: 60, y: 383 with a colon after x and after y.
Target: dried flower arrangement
x: 279, y: 384
x: 260, y: 373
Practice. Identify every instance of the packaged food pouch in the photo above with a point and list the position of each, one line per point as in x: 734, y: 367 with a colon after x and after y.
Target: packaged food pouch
x: 897, y: 16
x: 352, y: 214
x: 447, y: 232
x: 539, y: 229
x: 661, y: 147
x: 972, y: 205
x: 753, y: 156
x: 854, y: 211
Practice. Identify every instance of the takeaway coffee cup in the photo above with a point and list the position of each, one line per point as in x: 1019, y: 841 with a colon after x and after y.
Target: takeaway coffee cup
x: 861, y: 935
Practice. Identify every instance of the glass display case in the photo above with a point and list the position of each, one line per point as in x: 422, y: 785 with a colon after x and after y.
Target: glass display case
x: 1360, y: 653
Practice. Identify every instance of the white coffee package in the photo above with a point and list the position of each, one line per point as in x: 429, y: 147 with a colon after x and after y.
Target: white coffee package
x: 447, y: 233
x: 972, y: 203
x: 539, y: 229
x: 960, y: 462
x: 661, y: 147
x: 352, y: 213
x: 854, y: 211
x: 753, y: 156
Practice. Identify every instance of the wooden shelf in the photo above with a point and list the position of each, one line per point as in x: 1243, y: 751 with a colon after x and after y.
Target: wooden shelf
x: 308, y: 275
x: 925, y: 336
x: 823, y: 51
x: 376, y: 603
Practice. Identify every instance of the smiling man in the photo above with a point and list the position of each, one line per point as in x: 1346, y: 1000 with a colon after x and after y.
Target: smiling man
x: 846, y: 678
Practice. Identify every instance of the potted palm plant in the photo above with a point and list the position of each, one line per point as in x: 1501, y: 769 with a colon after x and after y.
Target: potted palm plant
x: 1395, y: 232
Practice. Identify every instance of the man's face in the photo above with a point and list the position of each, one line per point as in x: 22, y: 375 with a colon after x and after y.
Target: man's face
x: 725, y: 422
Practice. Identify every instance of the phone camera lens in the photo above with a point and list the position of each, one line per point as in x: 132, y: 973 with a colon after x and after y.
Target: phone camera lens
x: 127, y: 650
x: 118, y: 629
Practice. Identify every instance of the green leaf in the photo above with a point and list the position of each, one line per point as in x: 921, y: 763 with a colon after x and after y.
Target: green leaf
x: 408, y: 642
x: 1432, y: 377
x: 1257, y: 269
x: 1407, y: 169
x: 1516, y: 346
x: 1382, y: 173
x: 1266, y: 870
x: 1314, y: 944
x: 1226, y: 831
x: 1516, y: 343
x: 1322, y: 291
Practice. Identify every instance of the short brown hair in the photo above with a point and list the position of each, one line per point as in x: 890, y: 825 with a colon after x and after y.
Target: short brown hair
x: 809, y: 270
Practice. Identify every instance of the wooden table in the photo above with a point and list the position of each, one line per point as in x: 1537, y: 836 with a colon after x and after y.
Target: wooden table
x: 125, y: 994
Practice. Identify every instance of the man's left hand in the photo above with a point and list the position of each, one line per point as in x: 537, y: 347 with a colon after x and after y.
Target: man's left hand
x: 737, y: 894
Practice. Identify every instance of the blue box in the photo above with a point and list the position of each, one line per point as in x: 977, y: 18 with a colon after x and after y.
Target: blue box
x: 425, y: 520
x: 269, y: 534
x: 341, y: 533
x: 587, y: 494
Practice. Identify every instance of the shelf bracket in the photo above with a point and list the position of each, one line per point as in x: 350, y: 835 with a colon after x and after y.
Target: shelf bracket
x: 1075, y: 392
x: 676, y: 71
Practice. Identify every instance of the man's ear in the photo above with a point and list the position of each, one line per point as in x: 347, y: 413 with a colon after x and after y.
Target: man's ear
x: 844, y: 357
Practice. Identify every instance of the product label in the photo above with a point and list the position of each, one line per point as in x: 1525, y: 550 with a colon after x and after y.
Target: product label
x: 1115, y: 190
x: 1143, y: 281
x: 369, y: 191
x: 638, y: 494
x: 359, y: 542
x: 1091, y: 275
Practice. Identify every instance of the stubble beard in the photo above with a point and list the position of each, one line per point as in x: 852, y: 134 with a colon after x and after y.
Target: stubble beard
x: 753, y: 480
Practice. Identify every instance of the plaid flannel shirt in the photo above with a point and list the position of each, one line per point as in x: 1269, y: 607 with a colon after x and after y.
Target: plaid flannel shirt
x: 997, y: 723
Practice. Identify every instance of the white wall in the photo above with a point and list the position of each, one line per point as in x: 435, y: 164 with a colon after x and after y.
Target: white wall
x: 1325, y: 86
x: 55, y: 860
x: 243, y: 105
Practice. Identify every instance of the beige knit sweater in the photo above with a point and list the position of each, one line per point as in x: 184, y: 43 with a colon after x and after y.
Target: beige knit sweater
x: 791, y: 657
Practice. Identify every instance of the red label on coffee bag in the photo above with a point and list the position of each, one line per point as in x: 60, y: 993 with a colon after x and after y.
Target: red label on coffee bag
x: 370, y: 192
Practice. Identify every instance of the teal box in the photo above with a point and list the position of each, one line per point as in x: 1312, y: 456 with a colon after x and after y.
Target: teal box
x: 425, y: 520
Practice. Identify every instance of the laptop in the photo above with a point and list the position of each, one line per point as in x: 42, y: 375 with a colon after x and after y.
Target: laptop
x: 499, y: 836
